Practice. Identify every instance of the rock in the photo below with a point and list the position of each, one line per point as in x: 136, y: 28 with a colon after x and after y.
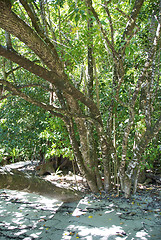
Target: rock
x: 148, y: 181
x: 45, y: 168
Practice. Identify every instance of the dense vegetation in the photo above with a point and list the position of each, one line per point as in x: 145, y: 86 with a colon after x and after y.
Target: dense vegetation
x: 81, y: 79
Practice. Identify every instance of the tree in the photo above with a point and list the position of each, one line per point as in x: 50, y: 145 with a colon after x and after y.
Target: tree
x: 47, y: 57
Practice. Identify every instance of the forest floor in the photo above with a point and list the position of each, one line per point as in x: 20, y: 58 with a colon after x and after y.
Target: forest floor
x: 96, y: 216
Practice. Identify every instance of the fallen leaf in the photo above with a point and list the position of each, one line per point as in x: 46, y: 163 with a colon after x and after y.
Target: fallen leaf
x: 121, y: 234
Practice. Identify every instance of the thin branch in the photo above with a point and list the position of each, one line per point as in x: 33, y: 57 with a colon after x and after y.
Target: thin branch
x: 5, y: 96
x: 123, y: 13
x: 15, y: 90
x: 128, y: 32
x: 16, y: 68
x: 110, y: 21
x: 148, y: 135
x: 43, y: 17
x: 34, y: 19
x: 125, y: 140
x: 104, y: 32
x: 10, y: 72
x: 127, y: 16
x: 8, y: 40
x: 141, y: 146
x: 117, y: 58
x: 147, y: 64
x: 128, y: 40
x: 34, y: 85
x: 37, y: 25
x: 54, y: 109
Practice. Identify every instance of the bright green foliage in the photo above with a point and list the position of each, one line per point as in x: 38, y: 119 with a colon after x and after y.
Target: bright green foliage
x: 27, y: 131
x: 57, y: 138
x: 152, y: 156
x: 21, y: 125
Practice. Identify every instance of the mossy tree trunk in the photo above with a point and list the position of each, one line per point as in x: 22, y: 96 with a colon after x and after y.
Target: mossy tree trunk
x: 15, y: 179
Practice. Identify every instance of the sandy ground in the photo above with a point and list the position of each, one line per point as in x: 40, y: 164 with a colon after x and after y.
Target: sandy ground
x: 102, y: 216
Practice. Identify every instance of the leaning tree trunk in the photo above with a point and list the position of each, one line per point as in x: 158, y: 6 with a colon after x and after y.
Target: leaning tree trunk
x: 83, y: 156
x: 14, y: 179
x: 106, y: 150
x: 129, y: 181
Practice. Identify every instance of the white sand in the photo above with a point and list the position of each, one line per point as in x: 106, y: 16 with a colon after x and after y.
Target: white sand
x: 30, y: 216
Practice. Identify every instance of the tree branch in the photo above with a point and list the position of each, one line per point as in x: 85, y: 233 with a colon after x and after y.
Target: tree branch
x: 128, y: 32
x: 141, y: 146
x: 51, y: 77
x: 147, y: 63
x: 34, y: 19
x: 36, y: 24
x: 105, y: 34
x: 10, y: 72
x: 110, y: 21
x: 13, y: 24
x: 5, y: 96
x: 15, y: 90
x: 125, y: 142
x: 16, y: 26
x: 60, y: 112
x: 35, y: 85
x: 30, y: 66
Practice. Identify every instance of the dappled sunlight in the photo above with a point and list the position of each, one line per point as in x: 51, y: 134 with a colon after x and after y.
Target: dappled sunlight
x: 89, y: 222
x: 31, y: 198
x: 31, y: 216
x: 142, y: 235
x: 50, y: 203
x: 17, y: 164
x: 106, y: 220
x: 93, y: 233
x: 24, y: 214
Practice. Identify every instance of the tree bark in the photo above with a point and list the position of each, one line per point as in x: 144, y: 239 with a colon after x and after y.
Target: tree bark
x: 15, y: 179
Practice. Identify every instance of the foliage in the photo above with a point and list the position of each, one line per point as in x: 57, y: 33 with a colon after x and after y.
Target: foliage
x: 26, y: 131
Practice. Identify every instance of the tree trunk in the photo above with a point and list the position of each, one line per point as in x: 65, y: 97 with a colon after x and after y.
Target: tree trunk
x: 130, y: 175
x: 14, y: 179
x: 81, y: 149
